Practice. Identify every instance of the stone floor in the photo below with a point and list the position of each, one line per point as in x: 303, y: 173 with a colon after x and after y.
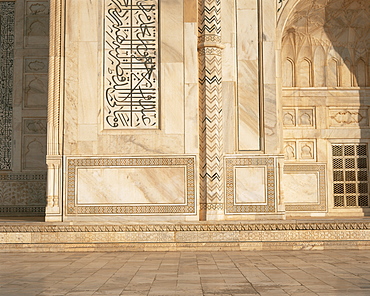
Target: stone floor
x: 274, y: 273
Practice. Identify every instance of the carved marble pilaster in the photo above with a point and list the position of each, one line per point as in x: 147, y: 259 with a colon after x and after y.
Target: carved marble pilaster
x: 210, y: 106
x: 55, y: 100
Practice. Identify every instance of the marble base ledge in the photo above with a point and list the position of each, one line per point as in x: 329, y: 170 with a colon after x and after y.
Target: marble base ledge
x: 62, y: 237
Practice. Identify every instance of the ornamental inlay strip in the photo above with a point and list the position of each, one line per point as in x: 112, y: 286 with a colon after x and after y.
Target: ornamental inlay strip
x: 6, y: 82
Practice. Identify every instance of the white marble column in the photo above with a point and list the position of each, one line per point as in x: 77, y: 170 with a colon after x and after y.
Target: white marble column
x: 55, y: 104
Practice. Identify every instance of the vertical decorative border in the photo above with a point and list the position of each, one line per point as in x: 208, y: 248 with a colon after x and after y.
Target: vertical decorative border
x: 316, y: 168
x: 270, y: 164
x: 210, y: 107
x: 7, y: 11
x: 73, y: 209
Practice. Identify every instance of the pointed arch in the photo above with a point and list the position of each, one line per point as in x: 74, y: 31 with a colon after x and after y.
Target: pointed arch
x: 319, y: 67
x: 332, y: 73
x: 289, y: 73
x: 346, y: 73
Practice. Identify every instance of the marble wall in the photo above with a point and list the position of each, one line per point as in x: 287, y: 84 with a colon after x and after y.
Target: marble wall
x: 237, y: 112
x: 258, y: 122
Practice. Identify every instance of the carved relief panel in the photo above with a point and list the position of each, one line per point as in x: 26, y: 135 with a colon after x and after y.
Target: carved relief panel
x: 36, y: 24
x: 299, y: 117
x: 35, y: 82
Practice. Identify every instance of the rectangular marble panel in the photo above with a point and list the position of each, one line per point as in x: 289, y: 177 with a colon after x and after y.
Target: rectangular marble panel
x: 34, y: 152
x: 134, y: 185
x: 248, y: 76
x: 37, y: 29
x: 301, y: 188
x: 250, y: 185
x: 35, y: 91
x: 348, y: 117
x: 304, y: 187
x: 130, y: 186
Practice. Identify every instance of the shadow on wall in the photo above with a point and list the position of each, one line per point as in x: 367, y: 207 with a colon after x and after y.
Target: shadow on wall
x: 347, y: 25
x: 326, y: 71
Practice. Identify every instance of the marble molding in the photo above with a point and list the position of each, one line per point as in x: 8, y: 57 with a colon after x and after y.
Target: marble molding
x: 185, y: 236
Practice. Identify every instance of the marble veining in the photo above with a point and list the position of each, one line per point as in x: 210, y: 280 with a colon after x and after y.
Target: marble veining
x: 164, y: 185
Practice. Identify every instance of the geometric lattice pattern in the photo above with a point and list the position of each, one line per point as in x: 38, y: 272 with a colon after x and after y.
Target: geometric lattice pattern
x: 350, y: 175
x: 6, y: 82
x: 187, y: 162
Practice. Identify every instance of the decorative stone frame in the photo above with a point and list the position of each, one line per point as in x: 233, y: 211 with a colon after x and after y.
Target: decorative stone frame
x: 320, y: 170
x: 270, y: 165
x: 73, y: 163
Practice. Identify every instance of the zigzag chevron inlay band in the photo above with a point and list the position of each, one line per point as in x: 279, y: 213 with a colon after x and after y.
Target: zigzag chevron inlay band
x: 210, y: 80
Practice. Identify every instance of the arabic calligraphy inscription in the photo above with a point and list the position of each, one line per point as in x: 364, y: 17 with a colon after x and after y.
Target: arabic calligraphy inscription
x: 131, y: 73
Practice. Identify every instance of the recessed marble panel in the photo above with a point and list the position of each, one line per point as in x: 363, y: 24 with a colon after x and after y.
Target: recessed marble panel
x: 304, y: 187
x: 36, y: 91
x: 37, y: 8
x: 300, y: 188
x: 34, y: 152
x: 35, y: 65
x: 130, y: 186
x: 133, y: 185
x: 348, y: 117
x: 36, y: 31
x: 250, y: 185
x: 34, y: 126
x: 248, y: 68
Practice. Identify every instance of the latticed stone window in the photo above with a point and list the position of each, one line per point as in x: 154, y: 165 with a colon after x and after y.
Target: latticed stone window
x: 350, y: 175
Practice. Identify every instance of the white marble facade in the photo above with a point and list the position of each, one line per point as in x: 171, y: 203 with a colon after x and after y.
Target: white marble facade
x: 131, y: 84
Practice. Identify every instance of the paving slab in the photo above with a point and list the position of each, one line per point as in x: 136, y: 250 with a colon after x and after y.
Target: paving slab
x: 263, y: 273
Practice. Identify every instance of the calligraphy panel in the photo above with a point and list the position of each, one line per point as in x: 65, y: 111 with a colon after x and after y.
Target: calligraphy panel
x: 6, y: 82
x: 130, y: 64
